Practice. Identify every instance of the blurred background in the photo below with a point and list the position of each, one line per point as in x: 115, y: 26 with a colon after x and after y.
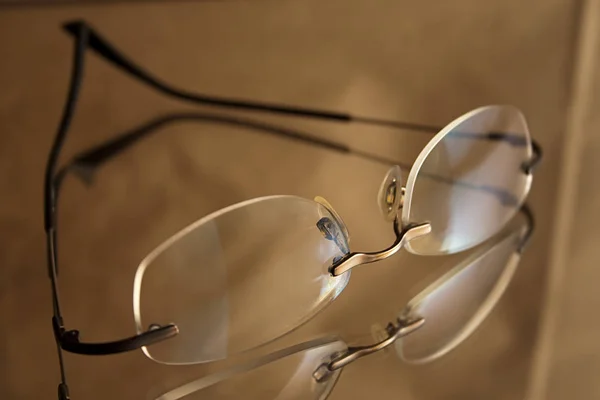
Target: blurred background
x: 423, y: 62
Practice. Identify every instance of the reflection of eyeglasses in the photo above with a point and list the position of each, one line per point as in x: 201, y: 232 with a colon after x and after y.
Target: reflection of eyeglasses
x: 433, y: 323
x: 256, y: 270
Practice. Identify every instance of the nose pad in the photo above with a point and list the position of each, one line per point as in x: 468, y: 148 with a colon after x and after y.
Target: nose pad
x: 391, y: 194
x: 338, y: 232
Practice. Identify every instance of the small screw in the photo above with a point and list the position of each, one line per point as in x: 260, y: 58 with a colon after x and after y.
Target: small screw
x: 321, y: 373
x: 391, y: 194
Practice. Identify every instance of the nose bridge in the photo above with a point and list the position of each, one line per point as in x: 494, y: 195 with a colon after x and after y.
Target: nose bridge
x: 352, y: 260
x: 354, y: 353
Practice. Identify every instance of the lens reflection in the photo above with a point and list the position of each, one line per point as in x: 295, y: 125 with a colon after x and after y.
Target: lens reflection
x: 455, y: 305
x: 285, y: 375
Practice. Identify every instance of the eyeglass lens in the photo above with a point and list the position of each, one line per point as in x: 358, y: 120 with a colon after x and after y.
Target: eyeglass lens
x: 240, y: 278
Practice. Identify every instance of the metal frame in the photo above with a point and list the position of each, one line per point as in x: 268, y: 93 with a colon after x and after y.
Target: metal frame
x: 409, y: 323
x: 394, y: 331
x: 86, y: 163
x: 404, y: 325
x: 352, y: 260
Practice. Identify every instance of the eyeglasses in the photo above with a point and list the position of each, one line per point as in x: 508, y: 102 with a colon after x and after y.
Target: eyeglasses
x: 252, y: 272
x: 433, y: 323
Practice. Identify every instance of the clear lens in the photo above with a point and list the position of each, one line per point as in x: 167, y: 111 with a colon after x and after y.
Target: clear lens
x: 239, y: 278
x: 468, y: 182
x: 455, y: 305
x: 285, y: 375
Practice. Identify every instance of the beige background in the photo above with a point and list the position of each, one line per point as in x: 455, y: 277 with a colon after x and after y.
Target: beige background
x: 427, y: 62
x: 567, y: 360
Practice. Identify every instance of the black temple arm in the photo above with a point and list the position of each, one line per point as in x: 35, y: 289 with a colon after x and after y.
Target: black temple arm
x: 65, y: 122
x: 106, y: 50
x: 69, y: 340
x: 87, y: 162
x: 111, y: 54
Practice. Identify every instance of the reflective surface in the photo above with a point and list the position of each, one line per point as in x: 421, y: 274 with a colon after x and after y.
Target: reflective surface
x: 268, y: 47
x: 285, y: 375
x: 240, y: 278
x: 468, y: 182
x: 455, y: 305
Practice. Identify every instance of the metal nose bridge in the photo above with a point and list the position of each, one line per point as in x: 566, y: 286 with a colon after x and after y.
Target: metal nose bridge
x: 354, y: 353
x: 352, y: 260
